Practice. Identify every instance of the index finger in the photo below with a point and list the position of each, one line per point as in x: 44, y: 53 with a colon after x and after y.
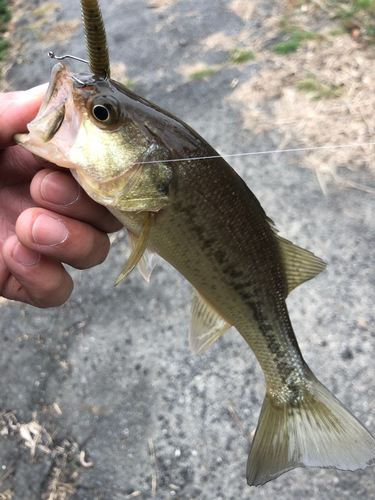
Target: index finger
x: 17, y: 109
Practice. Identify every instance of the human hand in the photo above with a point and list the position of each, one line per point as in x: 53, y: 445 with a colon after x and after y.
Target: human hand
x: 45, y: 217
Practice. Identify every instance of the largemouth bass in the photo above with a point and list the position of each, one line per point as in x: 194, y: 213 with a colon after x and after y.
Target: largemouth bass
x: 140, y: 162
x: 201, y: 217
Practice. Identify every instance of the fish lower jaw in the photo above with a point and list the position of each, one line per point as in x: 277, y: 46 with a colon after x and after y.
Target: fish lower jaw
x: 47, y: 151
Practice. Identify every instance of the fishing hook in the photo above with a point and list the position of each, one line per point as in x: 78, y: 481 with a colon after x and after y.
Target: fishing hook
x: 52, y: 55
x: 67, y: 56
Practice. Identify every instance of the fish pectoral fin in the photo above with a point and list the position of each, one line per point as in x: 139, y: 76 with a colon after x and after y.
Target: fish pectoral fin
x: 300, y: 265
x: 206, y: 325
x: 138, y: 250
x: 314, y: 430
x: 147, y: 262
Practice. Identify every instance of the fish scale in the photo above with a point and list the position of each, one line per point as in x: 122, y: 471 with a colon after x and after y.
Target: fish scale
x: 184, y: 229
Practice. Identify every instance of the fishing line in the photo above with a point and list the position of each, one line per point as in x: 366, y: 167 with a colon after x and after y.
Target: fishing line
x: 251, y: 153
x: 274, y: 151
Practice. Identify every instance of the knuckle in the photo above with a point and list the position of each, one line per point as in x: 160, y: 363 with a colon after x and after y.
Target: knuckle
x: 54, y: 290
x: 94, y: 251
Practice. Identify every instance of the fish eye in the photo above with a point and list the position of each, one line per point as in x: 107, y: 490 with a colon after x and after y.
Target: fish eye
x: 105, y: 110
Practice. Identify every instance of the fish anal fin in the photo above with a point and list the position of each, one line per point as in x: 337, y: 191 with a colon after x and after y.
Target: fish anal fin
x: 138, y: 250
x: 299, y: 264
x: 147, y: 262
x: 206, y: 325
x: 314, y: 431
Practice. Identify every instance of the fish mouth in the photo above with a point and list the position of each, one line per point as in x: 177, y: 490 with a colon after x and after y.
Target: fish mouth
x: 53, y: 131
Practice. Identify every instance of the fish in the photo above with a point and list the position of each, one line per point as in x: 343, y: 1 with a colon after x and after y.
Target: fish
x: 178, y: 198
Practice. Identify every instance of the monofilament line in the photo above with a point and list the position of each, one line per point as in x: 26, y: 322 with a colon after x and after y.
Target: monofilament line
x: 274, y: 151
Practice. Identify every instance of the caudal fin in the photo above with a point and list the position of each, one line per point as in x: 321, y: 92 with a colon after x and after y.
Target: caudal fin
x: 315, y: 431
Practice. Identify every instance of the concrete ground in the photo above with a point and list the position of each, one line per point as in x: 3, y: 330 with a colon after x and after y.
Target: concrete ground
x: 110, y: 372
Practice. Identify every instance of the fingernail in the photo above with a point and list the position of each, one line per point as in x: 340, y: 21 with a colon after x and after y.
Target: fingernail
x: 25, y: 256
x: 60, y: 189
x: 49, y: 231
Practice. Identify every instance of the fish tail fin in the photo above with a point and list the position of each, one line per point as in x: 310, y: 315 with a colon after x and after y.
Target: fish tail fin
x: 314, y: 431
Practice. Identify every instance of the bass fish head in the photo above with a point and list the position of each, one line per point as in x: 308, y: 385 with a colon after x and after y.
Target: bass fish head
x: 95, y: 127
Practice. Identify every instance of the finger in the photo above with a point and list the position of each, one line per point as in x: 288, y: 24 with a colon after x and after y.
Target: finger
x: 17, y: 165
x: 59, y: 192
x: 66, y: 240
x: 34, y: 278
x: 17, y: 109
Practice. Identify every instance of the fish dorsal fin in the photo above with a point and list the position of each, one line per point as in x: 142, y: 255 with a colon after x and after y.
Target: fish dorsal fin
x: 147, y: 262
x: 206, y: 325
x: 300, y: 265
x: 138, y: 250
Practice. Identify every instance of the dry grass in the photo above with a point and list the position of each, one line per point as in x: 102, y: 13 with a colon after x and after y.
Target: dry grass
x: 62, y: 31
x: 161, y: 5
x: 281, y: 100
x: 314, y: 86
x: 67, y: 459
x: 321, y: 94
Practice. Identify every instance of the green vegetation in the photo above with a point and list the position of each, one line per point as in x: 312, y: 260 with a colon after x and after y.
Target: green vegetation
x: 319, y: 90
x: 356, y: 15
x: 203, y: 73
x: 295, y: 37
x: 4, y: 14
x: 336, y: 32
x: 241, y: 56
x: 130, y: 84
x: 4, y: 19
x: 237, y: 55
x: 4, y: 45
x: 351, y: 9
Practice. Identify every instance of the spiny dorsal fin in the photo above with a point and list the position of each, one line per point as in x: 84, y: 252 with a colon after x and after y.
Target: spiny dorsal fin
x: 138, y: 250
x: 300, y: 265
x: 206, y: 325
x: 147, y: 262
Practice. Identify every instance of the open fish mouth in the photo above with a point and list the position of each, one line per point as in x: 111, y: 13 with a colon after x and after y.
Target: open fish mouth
x: 54, y: 130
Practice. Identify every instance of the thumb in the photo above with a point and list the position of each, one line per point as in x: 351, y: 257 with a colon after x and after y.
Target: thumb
x: 17, y: 109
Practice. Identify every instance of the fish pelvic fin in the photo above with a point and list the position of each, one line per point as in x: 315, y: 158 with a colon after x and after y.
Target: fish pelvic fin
x: 139, y: 246
x: 147, y: 262
x: 314, y: 431
x: 206, y: 325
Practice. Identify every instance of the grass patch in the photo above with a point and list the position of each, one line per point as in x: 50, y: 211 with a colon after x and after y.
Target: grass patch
x: 4, y: 45
x: 356, y: 15
x: 241, y: 56
x: 203, y: 73
x: 4, y: 15
x: 319, y: 90
x: 295, y: 37
x: 336, y: 32
x: 4, y: 20
x: 347, y: 10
